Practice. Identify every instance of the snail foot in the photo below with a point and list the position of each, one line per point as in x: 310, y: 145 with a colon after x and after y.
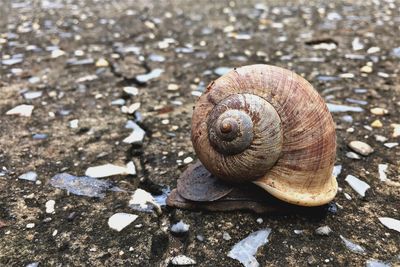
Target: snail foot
x: 198, y: 189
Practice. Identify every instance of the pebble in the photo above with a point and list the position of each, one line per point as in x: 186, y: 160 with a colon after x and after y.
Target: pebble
x: 143, y: 78
x: 244, y: 250
x: 110, y: 170
x: 373, y: 49
x: 361, y: 148
x: 102, y: 63
x: 380, y: 138
x: 129, y: 49
x: 196, y: 93
x: 182, y: 260
x: 390, y: 223
x: 165, y: 43
x: 156, y: 58
x: 382, y: 169
x: 118, y: 102
x: 173, y: 87
x: 383, y: 74
x: 347, y: 196
x: 30, y: 225
x: 323, y: 230
x: 298, y: 232
x: 360, y: 91
x: 376, y: 124
x: 12, y: 61
x: 367, y: 127
x: 391, y: 145
x: 358, y: 185
x: 379, y: 111
x: 324, y: 78
x: 222, y: 70
x: 347, y: 75
x: 50, y: 206
x: 337, y: 170
x: 334, y: 16
x: 188, y: 160
x: 357, y: 44
x: 57, y: 53
x: 80, y: 62
x: 396, y: 52
x: 396, y: 130
x: 343, y: 108
x: 33, y: 264
x: 347, y: 118
x: 131, y: 109
x: 120, y: 220
x: 226, y: 236
x: 259, y: 220
x: 352, y: 246
x: 352, y: 155
x: 200, y: 238
x: 87, y: 78
x: 29, y: 176
x: 180, y: 227
x: 21, y: 110
x: 325, y: 46
x: 366, y: 69
x: 79, y: 53
x: 130, y: 90
x: 142, y: 200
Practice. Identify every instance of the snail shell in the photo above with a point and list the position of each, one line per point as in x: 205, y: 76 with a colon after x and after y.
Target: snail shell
x: 267, y: 125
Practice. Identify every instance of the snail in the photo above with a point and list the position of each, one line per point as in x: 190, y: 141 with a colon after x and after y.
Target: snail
x: 261, y: 125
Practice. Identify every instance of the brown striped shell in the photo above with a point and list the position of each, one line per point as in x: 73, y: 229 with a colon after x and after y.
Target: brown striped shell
x: 267, y: 125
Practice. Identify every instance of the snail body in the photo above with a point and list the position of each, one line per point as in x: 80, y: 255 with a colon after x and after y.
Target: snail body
x: 267, y: 125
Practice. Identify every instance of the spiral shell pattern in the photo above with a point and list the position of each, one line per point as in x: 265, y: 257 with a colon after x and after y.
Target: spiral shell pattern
x: 241, y: 129
x: 291, y: 149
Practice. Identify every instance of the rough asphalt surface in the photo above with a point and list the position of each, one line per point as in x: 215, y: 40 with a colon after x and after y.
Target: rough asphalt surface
x: 348, y: 51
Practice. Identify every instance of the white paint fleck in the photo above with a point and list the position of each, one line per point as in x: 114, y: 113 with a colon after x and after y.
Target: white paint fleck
x: 180, y: 227
x: 391, y: 145
x: 245, y: 249
x: 137, y: 136
x: 343, y: 108
x: 182, y: 260
x: 21, y: 110
x: 120, y: 220
x: 110, y: 170
x: 352, y: 246
x: 29, y: 176
x: 142, y: 200
x: 359, y: 186
x: 382, y: 169
x: 32, y: 94
x: 390, y: 223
